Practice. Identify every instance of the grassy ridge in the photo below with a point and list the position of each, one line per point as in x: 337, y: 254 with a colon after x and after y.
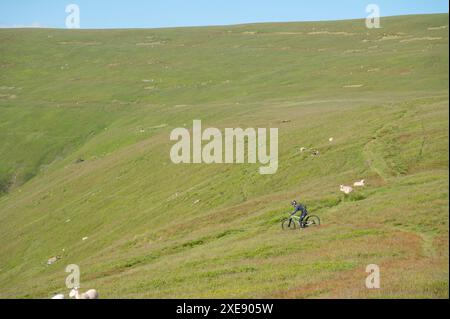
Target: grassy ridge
x: 157, y: 229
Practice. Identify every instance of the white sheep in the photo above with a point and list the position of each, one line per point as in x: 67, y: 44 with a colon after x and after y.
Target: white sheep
x: 330, y: 139
x: 360, y: 183
x: 58, y: 296
x: 90, y: 294
x: 52, y: 260
x: 302, y: 149
x: 346, y: 189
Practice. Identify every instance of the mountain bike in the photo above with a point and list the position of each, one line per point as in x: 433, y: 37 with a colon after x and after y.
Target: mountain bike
x: 293, y: 222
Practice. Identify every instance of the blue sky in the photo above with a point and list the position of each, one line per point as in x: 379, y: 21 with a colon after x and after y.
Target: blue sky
x: 170, y: 13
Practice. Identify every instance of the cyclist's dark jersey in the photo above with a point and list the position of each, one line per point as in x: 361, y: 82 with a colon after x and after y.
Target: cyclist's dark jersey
x: 299, y: 207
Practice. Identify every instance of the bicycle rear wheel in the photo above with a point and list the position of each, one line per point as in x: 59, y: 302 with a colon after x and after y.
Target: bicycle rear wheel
x: 312, y: 220
x: 289, y: 224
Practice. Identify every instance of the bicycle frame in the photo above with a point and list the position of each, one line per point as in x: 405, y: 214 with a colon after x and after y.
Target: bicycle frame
x: 295, y: 218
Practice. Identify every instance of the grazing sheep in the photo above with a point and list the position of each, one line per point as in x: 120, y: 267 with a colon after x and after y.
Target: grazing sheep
x: 84, y: 238
x: 58, y: 296
x: 331, y: 139
x: 90, y: 294
x: 346, y: 189
x: 360, y: 183
x: 302, y: 149
x: 53, y: 260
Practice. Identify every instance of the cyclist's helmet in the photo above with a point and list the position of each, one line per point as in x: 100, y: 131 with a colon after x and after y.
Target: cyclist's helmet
x: 294, y: 203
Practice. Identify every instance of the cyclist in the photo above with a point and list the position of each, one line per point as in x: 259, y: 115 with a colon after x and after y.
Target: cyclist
x: 299, y: 207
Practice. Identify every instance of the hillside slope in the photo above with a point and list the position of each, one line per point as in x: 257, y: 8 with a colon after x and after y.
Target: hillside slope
x: 85, y: 118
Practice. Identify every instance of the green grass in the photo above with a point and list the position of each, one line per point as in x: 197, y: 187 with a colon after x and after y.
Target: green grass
x: 85, y: 118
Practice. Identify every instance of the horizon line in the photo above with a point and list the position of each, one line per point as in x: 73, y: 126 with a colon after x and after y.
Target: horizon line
x: 38, y: 26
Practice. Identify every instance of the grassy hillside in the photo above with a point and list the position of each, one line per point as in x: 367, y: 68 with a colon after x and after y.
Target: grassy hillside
x: 85, y: 118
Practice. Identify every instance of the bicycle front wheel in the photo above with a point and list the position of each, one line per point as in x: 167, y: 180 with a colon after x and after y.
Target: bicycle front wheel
x: 289, y: 224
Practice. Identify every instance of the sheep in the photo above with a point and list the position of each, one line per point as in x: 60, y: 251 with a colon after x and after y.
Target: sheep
x: 346, y: 189
x: 53, y: 260
x: 58, y: 296
x: 90, y: 294
x: 84, y: 238
x: 315, y: 153
x: 302, y: 149
x: 330, y: 139
x: 360, y: 183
